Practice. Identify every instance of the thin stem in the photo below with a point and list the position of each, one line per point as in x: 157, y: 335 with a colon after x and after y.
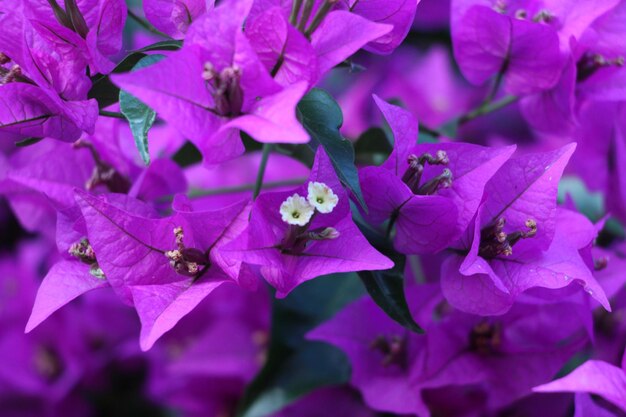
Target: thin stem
x: 319, y: 17
x: 354, y: 5
x: 114, y: 114
x: 488, y: 105
x: 147, y: 26
x: 496, y: 86
x: 416, y: 268
x: 60, y: 14
x: 245, y: 187
x: 429, y: 130
x: 392, y: 222
x: 295, y: 11
x: 306, y: 13
x: 487, y: 108
x: 267, y: 149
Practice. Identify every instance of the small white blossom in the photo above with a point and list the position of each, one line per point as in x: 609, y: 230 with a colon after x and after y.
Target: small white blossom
x: 322, y: 197
x: 324, y: 234
x: 296, y: 210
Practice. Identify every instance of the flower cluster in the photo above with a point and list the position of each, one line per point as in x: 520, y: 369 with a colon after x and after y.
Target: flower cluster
x: 181, y: 174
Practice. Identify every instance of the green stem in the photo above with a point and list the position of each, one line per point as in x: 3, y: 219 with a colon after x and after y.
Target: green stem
x: 295, y: 11
x: 416, y: 268
x: 306, y: 13
x: 147, y: 26
x: 245, y: 187
x: 392, y: 222
x: 319, y: 17
x: 496, y: 86
x: 114, y: 114
x: 487, y: 108
x: 488, y: 105
x: 267, y: 149
x: 429, y: 130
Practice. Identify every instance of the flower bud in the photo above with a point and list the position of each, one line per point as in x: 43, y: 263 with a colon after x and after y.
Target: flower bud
x: 323, y: 234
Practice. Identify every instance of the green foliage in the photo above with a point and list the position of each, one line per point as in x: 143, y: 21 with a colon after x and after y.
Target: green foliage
x: 387, y: 287
x: 588, y: 203
x: 27, y: 142
x: 372, y: 147
x: 140, y: 117
x: 296, y: 366
x: 107, y: 93
x: 321, y: 116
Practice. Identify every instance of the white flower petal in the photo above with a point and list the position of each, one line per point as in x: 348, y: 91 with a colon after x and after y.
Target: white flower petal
x: 322, y: 197
x: 296, y: 210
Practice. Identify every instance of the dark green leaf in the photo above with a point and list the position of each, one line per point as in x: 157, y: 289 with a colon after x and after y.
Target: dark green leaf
x: 140, y: 117
x: 614, y: 227
x: 426, y: 138
x: 386, y: 287
x: 428, y: 134
x: 296, y: 366
x: 300, y: 153
x: 107, y: 93
x: 249, y: 143
x: 76, y: 18
x: 133, y: 57
x: 168, y: 45
x: 353, y: 67
x: 450, y: 129
x: 104, y: 91
x: 321, y: 116
x: 372, y: 147
x: 27, y: 142
x: 187, y: 155
x: 315, y: 365
x: 588, y: 203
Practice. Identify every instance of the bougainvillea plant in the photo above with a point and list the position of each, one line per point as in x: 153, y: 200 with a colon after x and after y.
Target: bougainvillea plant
x: 311, y: 208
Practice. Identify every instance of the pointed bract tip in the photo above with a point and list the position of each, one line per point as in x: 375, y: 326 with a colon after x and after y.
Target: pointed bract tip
x: 32, y: 324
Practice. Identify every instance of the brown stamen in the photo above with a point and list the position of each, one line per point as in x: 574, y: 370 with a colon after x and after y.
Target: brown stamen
x: 413, y: 175
x: 494, y: 241
x: 103, y: 173
x: 393, y: 348
x: 186, y: 261
x: 486, y: 338
x: 225, y: 88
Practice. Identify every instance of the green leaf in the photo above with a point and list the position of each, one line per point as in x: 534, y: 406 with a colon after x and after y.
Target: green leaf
x: 351, y: 66
x: 107, y: 93
x: 27, y: 142
x: 386, y: 287
x: 588, y: 203
x: 167, y: 45
x: 187, y: 155
x: 133, y: 57
x: 296, y: 366
x: 451, y: 128
x: 425, y: 137
x: 615, y: 228
x: 140, y: 117
x: 321, y: 116
x: 372, y: 147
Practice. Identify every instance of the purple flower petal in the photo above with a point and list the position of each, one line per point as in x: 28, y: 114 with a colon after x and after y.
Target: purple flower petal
x: 595, y: 377
x: 64, y: 282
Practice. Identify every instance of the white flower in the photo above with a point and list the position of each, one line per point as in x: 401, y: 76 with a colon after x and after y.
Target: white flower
x: 322, y: 197
x: 296, y: 210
